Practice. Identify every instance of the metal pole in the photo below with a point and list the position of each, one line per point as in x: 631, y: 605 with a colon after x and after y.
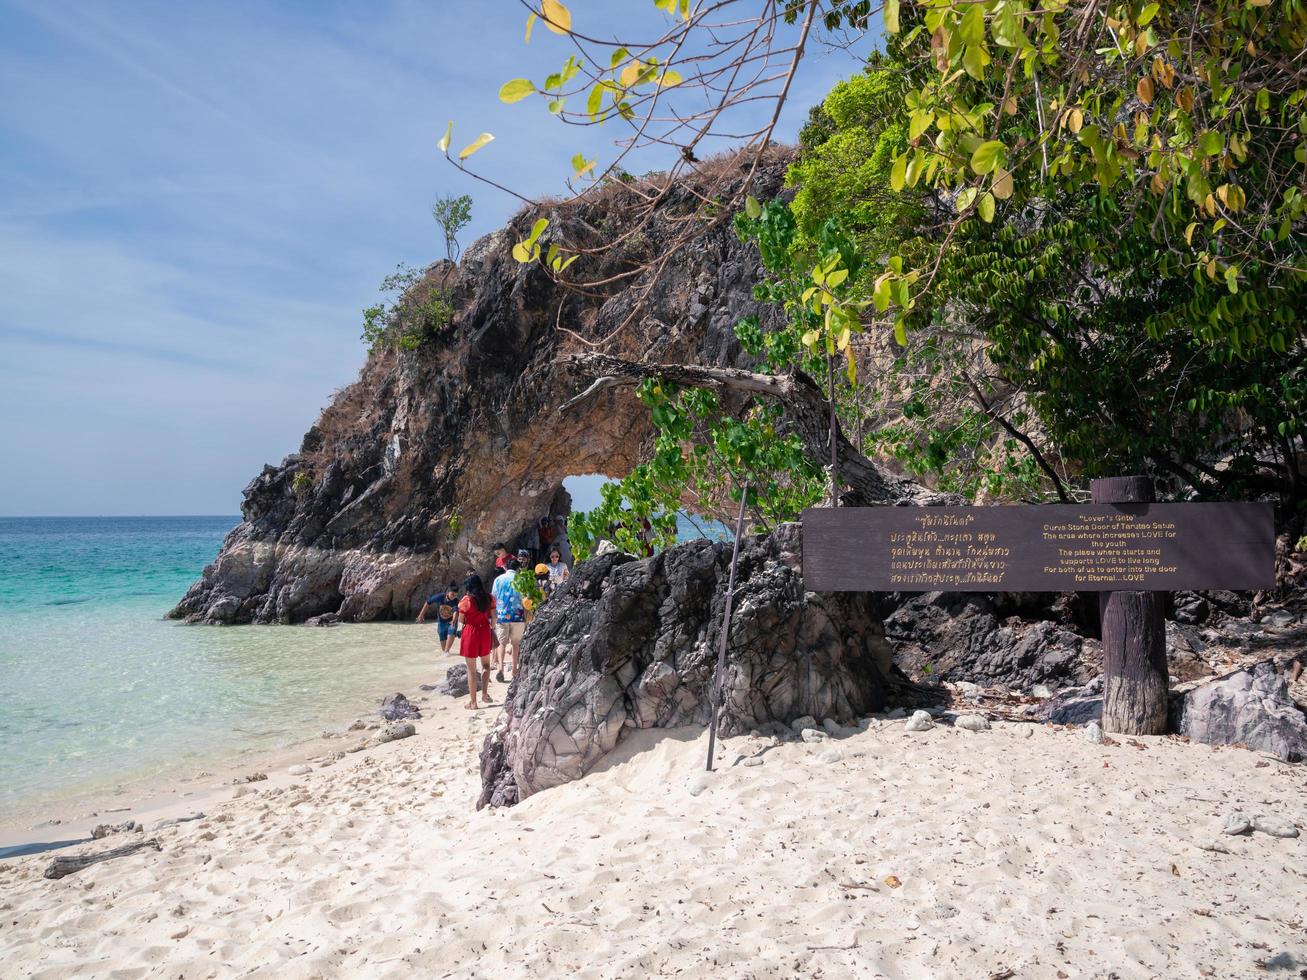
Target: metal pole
x: 714, y: 692
x: 834, y: 438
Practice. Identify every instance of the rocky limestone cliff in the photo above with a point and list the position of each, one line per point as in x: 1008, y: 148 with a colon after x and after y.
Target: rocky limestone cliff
x: 415, y: 470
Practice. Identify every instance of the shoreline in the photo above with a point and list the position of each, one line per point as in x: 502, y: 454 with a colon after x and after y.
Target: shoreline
x: 49, y: 824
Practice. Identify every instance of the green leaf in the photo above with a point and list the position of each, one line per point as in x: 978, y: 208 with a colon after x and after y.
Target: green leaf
x: 516, y: 90
x: 891, y: 11
x: 530, y: 23
x: 443, y: 145
x: 1232, y: 278
x: 987, y: 156
x: 986, y: 207
x: 752, y: 208
x: 836, y: 277
x: 965, y: 197
x: 595, y: 101
x: 538, y: 229
x: 974, y: 60
x: 972, y: 28
x: 580, y: 164
x: 901, y: 332
x: 898, y: 174
x: 669, y: 79
x: 475, y: 145
x: 620, y: 55
x: 1148, y: 13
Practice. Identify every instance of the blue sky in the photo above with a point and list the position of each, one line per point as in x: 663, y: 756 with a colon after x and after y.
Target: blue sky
x: 196, y: 201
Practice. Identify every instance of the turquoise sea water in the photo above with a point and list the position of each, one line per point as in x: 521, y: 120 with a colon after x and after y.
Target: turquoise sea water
x: 97, y: 688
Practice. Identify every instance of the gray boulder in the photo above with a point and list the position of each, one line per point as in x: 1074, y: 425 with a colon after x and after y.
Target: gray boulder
x: 632, y: 643
x: 396, y: 707
x: 1074, y: 705
x: 1250, y: 707
x: 455, y: 683
x: 393, y: 731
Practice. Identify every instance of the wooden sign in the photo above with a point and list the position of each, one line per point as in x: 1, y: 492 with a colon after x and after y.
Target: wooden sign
x: 1040, y: 548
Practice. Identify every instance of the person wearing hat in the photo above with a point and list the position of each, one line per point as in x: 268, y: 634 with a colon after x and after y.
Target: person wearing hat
x: 542, y: 579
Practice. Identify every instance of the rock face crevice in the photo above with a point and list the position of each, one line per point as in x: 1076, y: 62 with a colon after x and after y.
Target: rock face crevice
x: 413, y: 472
x: 632, y: 643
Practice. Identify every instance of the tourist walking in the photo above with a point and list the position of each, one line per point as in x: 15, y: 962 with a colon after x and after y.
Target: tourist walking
x: 511, y: 618
x: 477, y: 607
x: 446, y: 606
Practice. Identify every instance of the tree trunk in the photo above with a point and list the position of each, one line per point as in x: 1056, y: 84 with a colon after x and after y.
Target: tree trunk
x: 806, y: 413
x: 1135, y: 675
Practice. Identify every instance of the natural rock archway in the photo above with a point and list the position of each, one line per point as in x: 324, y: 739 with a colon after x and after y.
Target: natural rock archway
x: 414, y: 471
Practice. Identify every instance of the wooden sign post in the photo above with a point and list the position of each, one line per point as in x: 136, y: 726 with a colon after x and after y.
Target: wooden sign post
x: 1136, y: 680
x: 1122, y: 545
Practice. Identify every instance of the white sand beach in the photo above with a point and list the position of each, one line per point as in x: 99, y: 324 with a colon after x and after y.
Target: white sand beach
x: 1024, y: 851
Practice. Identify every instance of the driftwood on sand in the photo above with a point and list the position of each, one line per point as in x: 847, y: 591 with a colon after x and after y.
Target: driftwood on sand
x: 61, y: 867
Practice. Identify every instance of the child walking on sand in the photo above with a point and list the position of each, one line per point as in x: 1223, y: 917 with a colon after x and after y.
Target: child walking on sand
x: 477, y: 607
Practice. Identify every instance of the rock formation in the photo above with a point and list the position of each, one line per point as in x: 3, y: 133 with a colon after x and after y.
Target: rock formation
x: 414, y: 471
x: 632, y: 644
x: 1012, y: 640
x: 1250, y: 707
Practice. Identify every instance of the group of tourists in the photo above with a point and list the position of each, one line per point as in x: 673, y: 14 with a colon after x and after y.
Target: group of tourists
x: 488, y: 624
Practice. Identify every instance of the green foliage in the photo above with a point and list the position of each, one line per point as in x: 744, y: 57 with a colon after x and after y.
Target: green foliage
x: 524, y: 580
x: 1190, y: 116
x: 702, y: 456
x: 455, y: 523
x: 302, y: 483
x: 452, y: 214
x: 413, y: 311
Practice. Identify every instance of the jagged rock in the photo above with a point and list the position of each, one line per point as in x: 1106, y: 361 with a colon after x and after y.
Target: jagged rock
x: 455, y: 683
x: 396, y: 707
x: 920, y: 722
x: 325, y: 619
x: 1094, y: 733
x: 977, y: 638
x: 1041, y: 691
x: 633, y: 644
x: 972, y: 723
x: 799, y: 724
x: 1248, y: 707
x: 393, y: 731
x: 360, y: 522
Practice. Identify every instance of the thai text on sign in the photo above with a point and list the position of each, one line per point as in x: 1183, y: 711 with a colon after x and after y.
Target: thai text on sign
x: 1040, y: 548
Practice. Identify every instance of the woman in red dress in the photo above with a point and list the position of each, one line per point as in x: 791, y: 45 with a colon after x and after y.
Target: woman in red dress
x: 478, y: 608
